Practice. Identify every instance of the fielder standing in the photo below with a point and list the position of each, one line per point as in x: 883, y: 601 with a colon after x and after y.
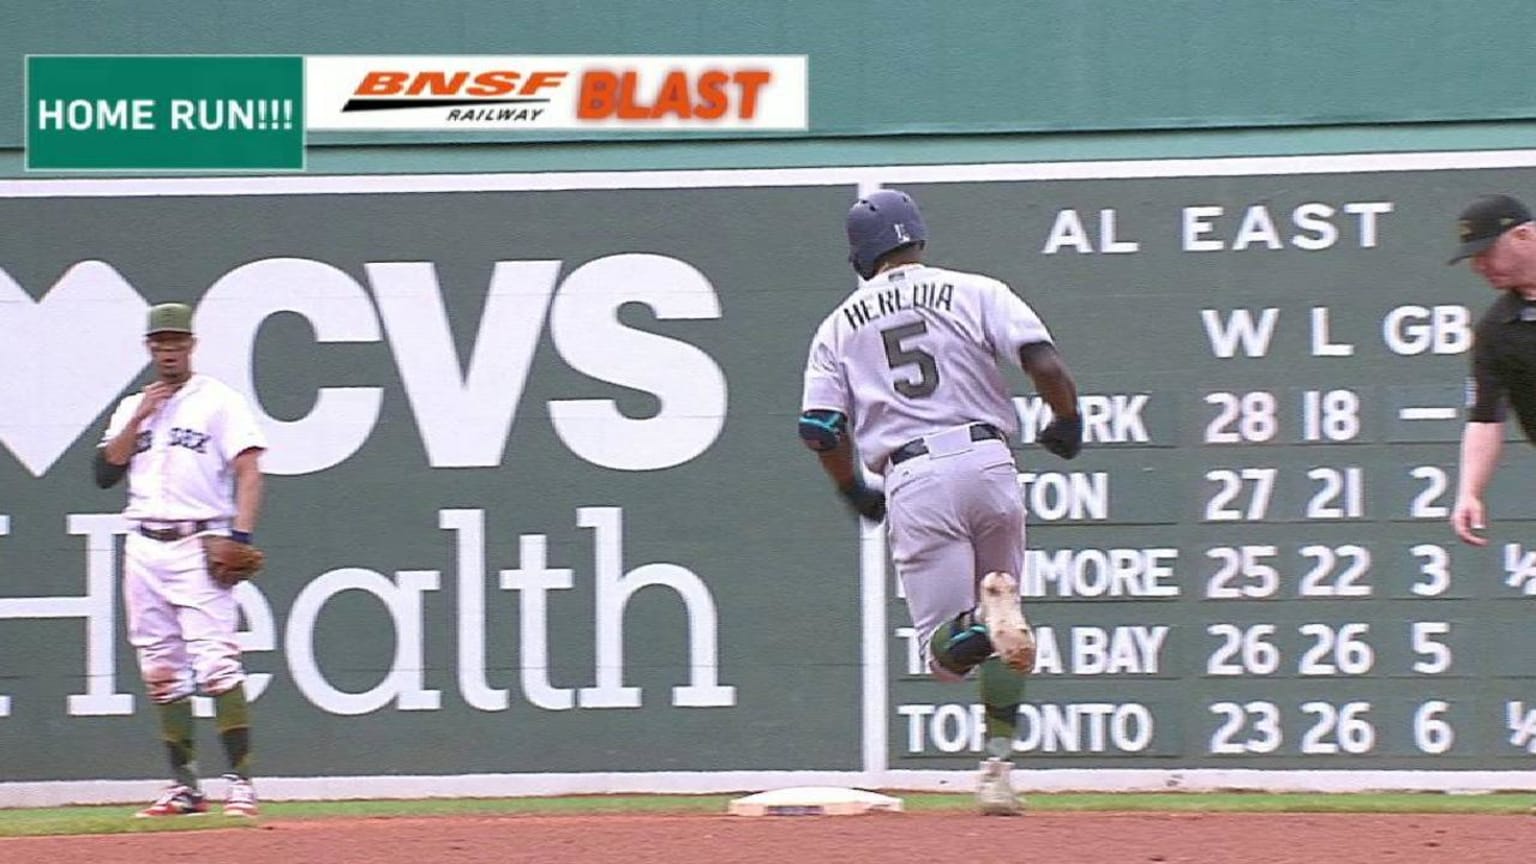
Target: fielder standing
x: 190, y: 448
x: 906, y: 374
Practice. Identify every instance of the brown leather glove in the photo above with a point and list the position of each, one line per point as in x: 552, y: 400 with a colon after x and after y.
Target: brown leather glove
x: 231, y: 562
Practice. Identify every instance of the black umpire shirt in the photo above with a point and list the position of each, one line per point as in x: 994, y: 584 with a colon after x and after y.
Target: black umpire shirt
x: 1504, y: 364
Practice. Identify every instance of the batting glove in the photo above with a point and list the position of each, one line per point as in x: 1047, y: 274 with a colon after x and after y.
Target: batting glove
x: 1064, y: 436
x: 867, y: 502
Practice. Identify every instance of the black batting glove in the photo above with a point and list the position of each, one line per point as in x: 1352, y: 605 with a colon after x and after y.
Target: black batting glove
x: 867, y: 502
x: 1063, y: 436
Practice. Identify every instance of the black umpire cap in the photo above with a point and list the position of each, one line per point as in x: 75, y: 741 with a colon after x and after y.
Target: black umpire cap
x: 1484, y: 221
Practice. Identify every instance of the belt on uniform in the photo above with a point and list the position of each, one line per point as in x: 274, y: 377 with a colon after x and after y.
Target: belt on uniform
x: 916, y: 447
x: 174, y: 530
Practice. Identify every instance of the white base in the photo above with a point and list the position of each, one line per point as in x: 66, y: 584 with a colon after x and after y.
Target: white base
x: 814, y: 801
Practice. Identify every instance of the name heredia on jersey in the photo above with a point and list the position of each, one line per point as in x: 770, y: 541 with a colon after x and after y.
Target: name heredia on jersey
x: 863, y: 309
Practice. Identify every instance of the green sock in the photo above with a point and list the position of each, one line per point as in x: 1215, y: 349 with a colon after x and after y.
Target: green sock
x: 1002, y: 690
x: 959, y: 644
x: 180, y: 746
x: 233, y: 714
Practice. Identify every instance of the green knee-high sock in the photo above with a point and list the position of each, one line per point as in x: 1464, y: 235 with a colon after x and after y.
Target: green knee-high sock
x: 233, y: 714
x: 180, y: 746
x: 1002, y: 690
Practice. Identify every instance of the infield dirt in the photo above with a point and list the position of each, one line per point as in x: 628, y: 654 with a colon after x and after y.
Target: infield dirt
x: 1046, y: 838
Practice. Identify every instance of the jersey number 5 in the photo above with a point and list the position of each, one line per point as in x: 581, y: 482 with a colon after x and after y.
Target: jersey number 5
x: 927, y: 370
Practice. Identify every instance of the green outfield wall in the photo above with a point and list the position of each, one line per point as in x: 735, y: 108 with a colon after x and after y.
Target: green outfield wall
x: 536, y: 510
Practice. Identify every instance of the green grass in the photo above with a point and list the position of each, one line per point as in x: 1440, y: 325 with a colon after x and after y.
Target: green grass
x: 118, y: 819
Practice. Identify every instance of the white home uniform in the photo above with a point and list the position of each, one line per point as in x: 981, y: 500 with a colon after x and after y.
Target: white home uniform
x: 181, y: 486
x: 912, y: 358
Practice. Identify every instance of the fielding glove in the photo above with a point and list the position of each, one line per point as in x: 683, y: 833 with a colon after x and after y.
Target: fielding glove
x: 231, y: 562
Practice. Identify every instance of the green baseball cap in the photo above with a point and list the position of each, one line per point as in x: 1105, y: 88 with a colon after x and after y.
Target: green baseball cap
x: 169, y: 318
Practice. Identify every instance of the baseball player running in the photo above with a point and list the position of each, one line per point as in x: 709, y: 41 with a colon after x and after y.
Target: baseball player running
x: 906, y: 374
x: 189, y: 446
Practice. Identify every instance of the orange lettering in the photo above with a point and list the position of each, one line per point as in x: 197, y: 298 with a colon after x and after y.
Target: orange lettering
x: 539, y: 80
x: 712, y: 98
x: 629, y: 109
x: 381, y: 83
x: 750, y: 80
x: 674, y: 98
x: 497, y: 83
x: 438, y: 82
x: 597, y: 95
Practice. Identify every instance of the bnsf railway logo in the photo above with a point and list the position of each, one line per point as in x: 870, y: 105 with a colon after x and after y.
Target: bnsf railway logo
x: 385, y: 90
x: 712, y: 93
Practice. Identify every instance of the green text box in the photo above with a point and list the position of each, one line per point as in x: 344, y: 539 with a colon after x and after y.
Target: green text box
x: 90, y: 113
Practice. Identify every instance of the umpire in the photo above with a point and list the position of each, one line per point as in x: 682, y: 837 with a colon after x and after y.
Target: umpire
x: 1497, y: 235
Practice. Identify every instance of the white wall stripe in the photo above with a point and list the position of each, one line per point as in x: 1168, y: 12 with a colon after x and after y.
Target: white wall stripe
x: 863, y: 176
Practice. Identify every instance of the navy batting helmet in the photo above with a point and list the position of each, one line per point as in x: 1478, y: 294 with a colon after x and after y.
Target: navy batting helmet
x: 886, y: 220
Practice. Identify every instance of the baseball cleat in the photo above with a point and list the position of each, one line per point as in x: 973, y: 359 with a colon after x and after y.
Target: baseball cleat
x: 994, y: 790
x: 240, y: 799
x: 175, y: 801
x: 1004, y: 619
